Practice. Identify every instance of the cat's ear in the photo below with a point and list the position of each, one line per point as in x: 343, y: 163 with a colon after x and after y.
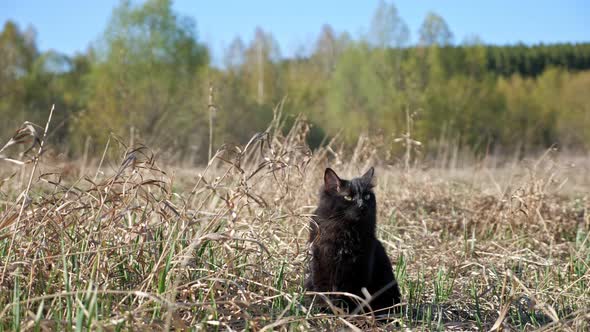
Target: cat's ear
x: 368, y: 176
x: 331, y: 180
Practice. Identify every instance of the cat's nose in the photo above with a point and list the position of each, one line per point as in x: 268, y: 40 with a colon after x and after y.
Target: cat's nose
x: 359, y: 202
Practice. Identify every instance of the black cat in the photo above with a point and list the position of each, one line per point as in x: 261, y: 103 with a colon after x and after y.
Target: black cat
x: 346, y: 255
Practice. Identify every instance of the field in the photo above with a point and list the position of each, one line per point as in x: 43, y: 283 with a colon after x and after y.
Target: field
x: 132, y: 243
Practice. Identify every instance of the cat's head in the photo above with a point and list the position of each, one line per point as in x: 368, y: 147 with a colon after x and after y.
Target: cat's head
x: 352, y: 199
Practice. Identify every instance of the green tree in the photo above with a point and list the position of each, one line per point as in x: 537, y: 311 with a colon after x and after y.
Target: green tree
x: 238, y: 114
x: 18, y: 53
x: 327, y: 50
x: 260, y: 67
x: 347, y: 100
x: 475, y: 57
x: 148, y: 78
x: 574, y: 118
x: 388, y: 29
x: 435, y: 31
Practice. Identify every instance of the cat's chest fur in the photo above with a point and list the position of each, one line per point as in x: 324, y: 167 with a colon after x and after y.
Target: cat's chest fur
x: 341, y: 242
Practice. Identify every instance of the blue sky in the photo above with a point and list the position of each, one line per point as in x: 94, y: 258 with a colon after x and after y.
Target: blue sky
x: 69, y: 26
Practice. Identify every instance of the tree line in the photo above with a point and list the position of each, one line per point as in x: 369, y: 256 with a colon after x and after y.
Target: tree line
x: 150, y: 77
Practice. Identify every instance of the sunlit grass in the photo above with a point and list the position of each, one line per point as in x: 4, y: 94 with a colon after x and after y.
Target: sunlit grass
x: 152, y: 247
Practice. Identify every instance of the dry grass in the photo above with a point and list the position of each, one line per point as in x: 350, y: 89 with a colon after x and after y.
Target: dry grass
x: 134, y: 246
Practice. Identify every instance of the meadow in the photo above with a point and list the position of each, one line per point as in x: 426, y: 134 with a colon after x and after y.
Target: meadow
x: 126, y: 241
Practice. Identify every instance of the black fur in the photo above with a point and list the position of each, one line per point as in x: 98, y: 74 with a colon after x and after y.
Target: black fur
x: 346, y: 255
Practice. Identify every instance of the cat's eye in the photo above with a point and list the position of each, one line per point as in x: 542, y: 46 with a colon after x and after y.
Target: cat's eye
x: 367, y: 197
x: 348, y: 198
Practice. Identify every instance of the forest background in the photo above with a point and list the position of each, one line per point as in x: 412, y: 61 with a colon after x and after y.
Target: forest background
x: 150, y: 79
